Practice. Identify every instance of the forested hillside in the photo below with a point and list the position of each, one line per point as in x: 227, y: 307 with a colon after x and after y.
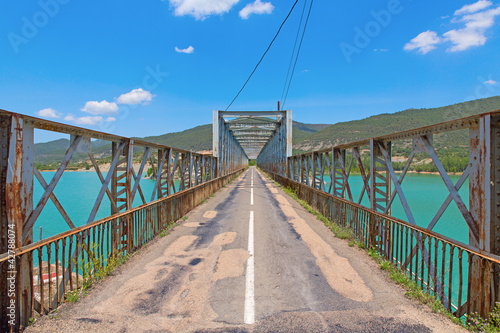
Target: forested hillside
x: 196, y: 139
x: 307, y: 137
x: 396, y: 122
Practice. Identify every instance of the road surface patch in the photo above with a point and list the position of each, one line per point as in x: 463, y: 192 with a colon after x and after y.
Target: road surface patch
x: 231, y: 264
x: 337, y: 270
x: 192, y: 224
x: 210, y: 214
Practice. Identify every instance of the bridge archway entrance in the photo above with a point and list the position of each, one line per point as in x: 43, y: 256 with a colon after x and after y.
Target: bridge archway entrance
x: 240, y: 136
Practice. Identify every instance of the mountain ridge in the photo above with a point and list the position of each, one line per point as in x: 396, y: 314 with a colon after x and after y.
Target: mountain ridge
x: 306, y: 137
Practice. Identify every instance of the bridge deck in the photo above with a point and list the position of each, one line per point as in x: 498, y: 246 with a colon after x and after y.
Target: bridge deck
x: 198, y: 278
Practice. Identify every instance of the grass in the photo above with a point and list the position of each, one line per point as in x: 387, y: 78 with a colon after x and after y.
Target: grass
x: 166, y: 230
x: 337, y: 230
x: 413, y: 290
x: 74, y: 296
x: 100, y: 268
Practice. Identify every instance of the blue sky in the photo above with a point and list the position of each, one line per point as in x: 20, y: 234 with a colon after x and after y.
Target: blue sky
x: 138, y: 68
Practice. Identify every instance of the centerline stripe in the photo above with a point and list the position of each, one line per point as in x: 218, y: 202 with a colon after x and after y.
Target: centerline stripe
x: 250, y: 277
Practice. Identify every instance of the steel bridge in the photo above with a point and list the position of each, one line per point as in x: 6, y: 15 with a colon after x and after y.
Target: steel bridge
x: 35, y: 276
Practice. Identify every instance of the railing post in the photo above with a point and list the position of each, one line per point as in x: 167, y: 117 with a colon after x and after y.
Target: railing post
x: 484, y: 200
x: 160, y: 166
x: 5, y: 138
x: 128, y: 193
x: 339, y: 161
x: 114, y: 190
x: 380, y: 179
x: 16, y: 171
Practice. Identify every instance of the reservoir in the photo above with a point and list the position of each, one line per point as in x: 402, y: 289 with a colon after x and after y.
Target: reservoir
x: 424, y: 192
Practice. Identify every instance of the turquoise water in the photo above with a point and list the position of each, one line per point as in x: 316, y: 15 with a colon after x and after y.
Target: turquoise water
x: 425, y: 194
x: 77, y: 191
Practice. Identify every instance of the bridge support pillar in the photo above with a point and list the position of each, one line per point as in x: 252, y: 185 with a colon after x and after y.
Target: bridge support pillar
x: 121, y: 189
x: 16, y: 205
x: 380, y: 178
x: 484, y: 206
x: 338, y: 169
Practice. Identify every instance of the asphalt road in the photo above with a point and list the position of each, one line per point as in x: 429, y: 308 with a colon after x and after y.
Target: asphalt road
x: 251, y: 259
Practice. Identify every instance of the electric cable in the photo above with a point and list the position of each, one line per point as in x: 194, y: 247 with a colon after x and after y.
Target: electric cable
x: 262, y: 58
x: 293, y: 52
x: 298, y: 52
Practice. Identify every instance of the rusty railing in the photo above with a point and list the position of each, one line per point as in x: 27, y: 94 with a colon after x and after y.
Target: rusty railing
x: 178, y: 175
x: 68, y: 261
x: 449, y: 274
x: 465, y: 277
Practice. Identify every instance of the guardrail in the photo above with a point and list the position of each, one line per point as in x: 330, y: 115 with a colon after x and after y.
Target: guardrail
x: 441, y: 266
x: 68, y: 261
x: 329, y: 170
x: 175, y: 170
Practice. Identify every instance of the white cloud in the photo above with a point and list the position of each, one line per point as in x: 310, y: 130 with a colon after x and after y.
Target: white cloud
x: 476, y: 25
x: 111, y: 119
x: 103, y: 107
x: 89, y: 120
x: 48, y: 113
x: 473, y: 8
x: 424, y: 42
x: 136, y: 96
x: 257, y: 7
x: 188, y: 50
x: 464, y: 39
x: 491, y: 82
x: 201, y: 9
x: 475, y: 18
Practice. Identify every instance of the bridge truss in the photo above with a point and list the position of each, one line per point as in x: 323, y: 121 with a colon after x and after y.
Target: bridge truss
x: 257, y: 135
x: 182, y: 179
x: 438, y: 264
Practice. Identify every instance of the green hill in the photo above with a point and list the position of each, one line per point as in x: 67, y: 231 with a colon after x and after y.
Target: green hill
x: 307, y: 137
x: 311, y: 128
x: 400, y: 121
x: 54, y: 151
x: 200, y: 137
x: 196, y: 139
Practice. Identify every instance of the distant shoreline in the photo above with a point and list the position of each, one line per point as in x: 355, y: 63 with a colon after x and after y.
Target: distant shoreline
x: 106, y: 169
x: 103, y: 168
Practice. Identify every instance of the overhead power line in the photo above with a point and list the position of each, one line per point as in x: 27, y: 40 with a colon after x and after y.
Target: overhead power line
x: 298, y: 52
x: 262, y: 58
x: 293, y: 51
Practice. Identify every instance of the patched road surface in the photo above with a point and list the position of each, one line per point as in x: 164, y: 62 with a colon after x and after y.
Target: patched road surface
x: 251, y: 259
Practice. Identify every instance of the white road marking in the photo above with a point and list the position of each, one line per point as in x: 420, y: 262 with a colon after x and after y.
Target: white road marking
x: 250, y: 278
x: 251, y: 191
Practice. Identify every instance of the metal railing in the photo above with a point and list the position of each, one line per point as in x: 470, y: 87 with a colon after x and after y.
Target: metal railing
x: 175, y: 171
x: 68, y: 261
x: 452, y: 270
x: 449, y: 277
